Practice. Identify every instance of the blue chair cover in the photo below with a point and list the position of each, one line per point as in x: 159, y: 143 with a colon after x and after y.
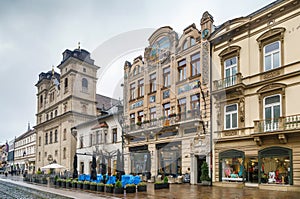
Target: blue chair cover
x: 111, y: 180
x: 126, y: 179
x: 81, y: 177
x: 87, y: 177
x: 136, y: 180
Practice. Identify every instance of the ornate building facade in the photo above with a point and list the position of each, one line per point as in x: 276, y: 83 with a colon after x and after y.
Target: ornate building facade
x: 166, y: 104
x: 256, y: 121
x: 63, y: 101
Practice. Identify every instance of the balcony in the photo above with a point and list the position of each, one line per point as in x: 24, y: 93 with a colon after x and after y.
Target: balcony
x: 163, y: 122
x: 228, y: 84
x: 286, y: 124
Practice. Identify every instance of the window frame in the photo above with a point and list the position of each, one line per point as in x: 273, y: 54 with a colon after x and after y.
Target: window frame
x: 272, y: 55
x: 166, y: 76
x: 231, y: 113
x: 195, y: 61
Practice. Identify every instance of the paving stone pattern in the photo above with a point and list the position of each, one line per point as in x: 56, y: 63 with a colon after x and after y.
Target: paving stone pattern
x: 13, y: 191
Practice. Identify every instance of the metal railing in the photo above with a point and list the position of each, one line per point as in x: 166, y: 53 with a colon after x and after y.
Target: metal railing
x: 277, y: 124
x: 227, y: 81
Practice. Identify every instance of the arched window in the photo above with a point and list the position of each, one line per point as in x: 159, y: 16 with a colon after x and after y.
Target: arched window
x: 185, y: 45
x: 41, y: 100
x: 193, y: 41
x: 84, y: 83
x: 66, y: 83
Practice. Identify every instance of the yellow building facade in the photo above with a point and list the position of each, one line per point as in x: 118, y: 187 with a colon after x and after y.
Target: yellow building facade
x: 255, y: 84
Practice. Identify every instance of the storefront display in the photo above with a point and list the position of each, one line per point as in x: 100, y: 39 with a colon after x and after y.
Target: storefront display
x: 232, y: 169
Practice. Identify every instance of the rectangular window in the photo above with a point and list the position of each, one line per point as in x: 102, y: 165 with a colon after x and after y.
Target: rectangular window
x: 195, y: 64
x: 153, y: 82
x: 166, y: 109
x: 132, y: 118
x: 65, y: 153
x: 141, y: 88
x: 230, y: 70
x: 272, y: 112
x: 195, y: 102
x: 272, y: 56
x: 140, y: 116
x: 46, y: 138
x: 167, y: 77
x: 153, y: 115
x: 132, y: 91
x: 55, y: 136
x: 231, y: 116
x: 182, y: 108
x: 40, y: 141
x: 114, y: 131
x: 182, y: 70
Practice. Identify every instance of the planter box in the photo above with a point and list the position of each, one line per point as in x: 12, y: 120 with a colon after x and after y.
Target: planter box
x: 79, y: 186
x: 74, y: 185
x: 86, y: 186
x: 142, y: 188
x: 100, y: 188
x: 162, y: 186
x: 93, y: 187
x: 119, y: 190
x: 109, y: 189
x: 63, y: 184
x: 68, y: 185
x: 205, y: 183
x: 131, y: 189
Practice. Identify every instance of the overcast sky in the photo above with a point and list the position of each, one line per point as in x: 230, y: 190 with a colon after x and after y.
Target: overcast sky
x: 34, y: 33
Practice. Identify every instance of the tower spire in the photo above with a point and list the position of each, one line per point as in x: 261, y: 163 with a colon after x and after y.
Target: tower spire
x: 79, y: 45
x: 28, y: 126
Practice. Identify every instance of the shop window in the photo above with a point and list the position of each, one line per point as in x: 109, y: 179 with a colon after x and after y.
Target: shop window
x: 231, y: 166
x: 275, y: 165
x: 272, y: 112
x: 230, y: 116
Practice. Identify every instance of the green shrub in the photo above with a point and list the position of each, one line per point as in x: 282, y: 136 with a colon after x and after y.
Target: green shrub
x: 93, y: 183
x: 130, y: 185
x: 118, y: 184
x: 165, y: 179
x: 86, y: 182
x: 100, y: 184
x: 142, y: 184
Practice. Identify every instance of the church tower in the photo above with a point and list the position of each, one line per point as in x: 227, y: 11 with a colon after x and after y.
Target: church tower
x: 64, y: 100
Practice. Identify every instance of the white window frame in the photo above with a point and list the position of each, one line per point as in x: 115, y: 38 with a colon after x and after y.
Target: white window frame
x: 231, y: 79
x: 272, y: 125
x: 272, y: 55
x: 231, y: 113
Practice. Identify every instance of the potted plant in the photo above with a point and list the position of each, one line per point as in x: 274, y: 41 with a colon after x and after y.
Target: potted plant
x: 79, y: 184
x: 205, y: 179
x: 63, y: 183
x: 68, y: 183
x: 141, y: 187
x: 139, y: 123
x: 93, y: 186
x: 86, y: 185
x: 74, y: 183
x: 119, y: 188
x: 100, y: 187
x: 130, y: 188
x: 162, y: 185
x: 109, y: 188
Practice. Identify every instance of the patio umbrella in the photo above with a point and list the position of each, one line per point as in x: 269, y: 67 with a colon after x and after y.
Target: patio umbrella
x: 75, y: 173
x: 53, y: 166
x: 93, y: 170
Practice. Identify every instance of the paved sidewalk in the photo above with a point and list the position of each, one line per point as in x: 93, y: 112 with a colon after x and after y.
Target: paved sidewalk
x: 176, y: 191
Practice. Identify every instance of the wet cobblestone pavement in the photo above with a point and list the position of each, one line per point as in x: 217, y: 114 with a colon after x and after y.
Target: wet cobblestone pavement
x: 14, y: 187
x: 12, y: 191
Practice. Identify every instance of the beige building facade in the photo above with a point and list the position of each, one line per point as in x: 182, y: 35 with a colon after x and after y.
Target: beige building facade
x: 166, y: 104
x: 256, y: 117
x: 63, y: 101
x: 24, y: 154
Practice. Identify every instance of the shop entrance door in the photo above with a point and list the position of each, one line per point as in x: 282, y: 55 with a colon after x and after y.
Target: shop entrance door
x: 252, y: 169
x: 200, y: 160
